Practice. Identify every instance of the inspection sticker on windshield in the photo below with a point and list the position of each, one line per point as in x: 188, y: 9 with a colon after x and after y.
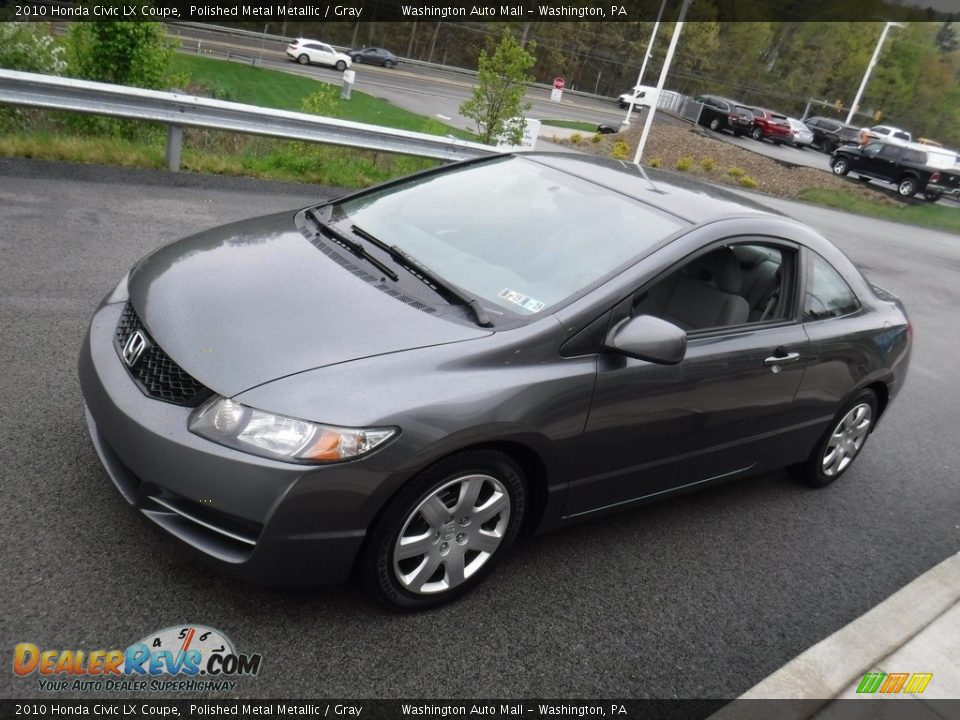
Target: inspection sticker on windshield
x: 527, y: 303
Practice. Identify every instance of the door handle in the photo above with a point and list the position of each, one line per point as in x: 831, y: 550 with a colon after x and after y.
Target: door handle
x: 784, y: 359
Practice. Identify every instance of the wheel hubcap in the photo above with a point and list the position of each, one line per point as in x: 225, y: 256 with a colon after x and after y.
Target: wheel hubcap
x: 846, y: 440
x: 451, y: 534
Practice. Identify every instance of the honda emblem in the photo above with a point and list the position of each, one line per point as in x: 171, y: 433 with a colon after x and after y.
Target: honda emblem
x: 134, y: 347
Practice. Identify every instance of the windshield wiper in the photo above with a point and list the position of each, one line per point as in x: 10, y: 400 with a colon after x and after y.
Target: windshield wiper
x: 415, y: 267
x: 351, y: 245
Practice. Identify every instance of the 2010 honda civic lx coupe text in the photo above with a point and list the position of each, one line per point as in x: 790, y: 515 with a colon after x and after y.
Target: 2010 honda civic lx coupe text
x: 398, y: 381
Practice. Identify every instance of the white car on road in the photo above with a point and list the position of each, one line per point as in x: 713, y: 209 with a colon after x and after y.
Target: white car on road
x: 308, y: 52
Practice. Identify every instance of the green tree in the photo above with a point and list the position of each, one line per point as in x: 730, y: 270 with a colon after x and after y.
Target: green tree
x: 498, y: 96
x: 124, y: 53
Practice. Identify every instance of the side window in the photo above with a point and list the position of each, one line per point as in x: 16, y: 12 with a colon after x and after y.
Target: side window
x: 828, y: 294
x: 890, y: 152
x: 734, y: 284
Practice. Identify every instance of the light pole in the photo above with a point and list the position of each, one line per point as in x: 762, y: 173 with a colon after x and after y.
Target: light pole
x: 663, y: 76
x: 646, y: 56
x: 873, y: 61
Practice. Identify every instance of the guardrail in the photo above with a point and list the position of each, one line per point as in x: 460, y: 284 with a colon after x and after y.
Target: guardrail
x: 178, y: 110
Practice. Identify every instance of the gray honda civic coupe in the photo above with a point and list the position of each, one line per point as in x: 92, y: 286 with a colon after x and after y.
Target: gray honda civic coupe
x: 397, y: 383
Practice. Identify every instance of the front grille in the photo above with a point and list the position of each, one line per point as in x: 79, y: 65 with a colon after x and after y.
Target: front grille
x: 155, y: 373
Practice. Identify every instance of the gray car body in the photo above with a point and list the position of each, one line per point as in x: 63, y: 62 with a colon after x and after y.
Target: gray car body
x: 256, y: 312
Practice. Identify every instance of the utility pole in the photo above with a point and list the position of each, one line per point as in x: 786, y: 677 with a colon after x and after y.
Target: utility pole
x: 663, y: 76
x: 866, y: 75
x: 646, y: 56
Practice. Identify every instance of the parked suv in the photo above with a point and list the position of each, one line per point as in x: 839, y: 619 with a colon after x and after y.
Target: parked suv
x: 770, y: 125
x: 741, y: 120
x: 829, y: 134
x: 907, y: 168
x: 715, y: 113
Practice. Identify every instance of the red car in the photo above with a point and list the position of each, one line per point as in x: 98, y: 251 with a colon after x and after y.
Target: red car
x: 771, y: 125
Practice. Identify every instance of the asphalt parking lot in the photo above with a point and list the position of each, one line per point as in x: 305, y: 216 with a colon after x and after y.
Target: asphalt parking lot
x: 698, y: 596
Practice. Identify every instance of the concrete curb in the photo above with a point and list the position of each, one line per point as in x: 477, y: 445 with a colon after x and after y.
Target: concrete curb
x: 827, y: 669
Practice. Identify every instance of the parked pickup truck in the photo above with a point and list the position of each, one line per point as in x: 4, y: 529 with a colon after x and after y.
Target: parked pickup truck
x: 906, y: 167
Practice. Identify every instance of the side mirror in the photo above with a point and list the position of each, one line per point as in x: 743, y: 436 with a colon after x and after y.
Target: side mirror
x: 649, y: 338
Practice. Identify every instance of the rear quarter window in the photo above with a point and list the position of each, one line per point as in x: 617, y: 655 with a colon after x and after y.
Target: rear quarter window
x: 827, y: 294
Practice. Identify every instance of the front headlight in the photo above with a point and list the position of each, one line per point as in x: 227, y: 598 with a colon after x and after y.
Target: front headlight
x: 279, y: 437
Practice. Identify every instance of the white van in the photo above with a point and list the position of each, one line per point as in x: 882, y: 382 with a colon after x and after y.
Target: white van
x: 641, y: 95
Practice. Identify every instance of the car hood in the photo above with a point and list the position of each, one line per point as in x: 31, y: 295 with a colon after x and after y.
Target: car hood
x: 250, y: 302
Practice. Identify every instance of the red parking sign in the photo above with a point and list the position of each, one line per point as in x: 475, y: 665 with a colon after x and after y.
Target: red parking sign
x: 558, y: 83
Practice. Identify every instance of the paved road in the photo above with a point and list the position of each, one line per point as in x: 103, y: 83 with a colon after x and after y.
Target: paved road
x: 698, y: 596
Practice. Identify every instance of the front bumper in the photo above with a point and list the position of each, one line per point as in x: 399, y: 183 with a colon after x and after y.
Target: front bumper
x: 261, y: 520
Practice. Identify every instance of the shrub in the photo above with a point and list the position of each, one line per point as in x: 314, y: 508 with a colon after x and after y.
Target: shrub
x: 656, y: 162
x: 747, y: 181
x: 736, y: 172
x: 597, y: 137
x: 123, y: 53
x: 620, y: 150
x: 576, y: 138
x: 29, y: 48
x: 708, y: 164
x: 684, y: 163
x: 323, y: 102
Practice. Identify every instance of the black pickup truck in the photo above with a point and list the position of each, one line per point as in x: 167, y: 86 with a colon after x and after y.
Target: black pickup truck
x: 906, y: 167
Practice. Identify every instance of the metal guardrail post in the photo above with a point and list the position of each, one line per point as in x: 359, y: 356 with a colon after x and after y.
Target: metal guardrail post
x: 174, y: 146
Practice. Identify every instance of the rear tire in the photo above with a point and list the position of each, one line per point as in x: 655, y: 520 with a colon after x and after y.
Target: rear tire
x: 303, y: 59
x: 907, y: 187
x: 842, y: 442
x: 446, y: 530
x: 714, y: 124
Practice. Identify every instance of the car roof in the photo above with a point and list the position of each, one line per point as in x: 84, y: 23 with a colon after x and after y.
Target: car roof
x: 690, y: 200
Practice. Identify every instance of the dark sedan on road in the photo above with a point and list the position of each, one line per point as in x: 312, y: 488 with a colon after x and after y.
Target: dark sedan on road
x: 398, y: 382
x: 374, y: 56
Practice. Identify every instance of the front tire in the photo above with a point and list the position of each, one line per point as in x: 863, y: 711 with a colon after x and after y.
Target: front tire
x: 446, y: 531
x: 756, y: 133
x: 303, y: 59
x: 907, y: 187
x: 389, y: 64
x: 341, y: 66
x: 842, y: 442
x: 840, y: 166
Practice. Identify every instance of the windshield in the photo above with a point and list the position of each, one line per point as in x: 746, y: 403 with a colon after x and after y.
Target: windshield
x: 520, y: 236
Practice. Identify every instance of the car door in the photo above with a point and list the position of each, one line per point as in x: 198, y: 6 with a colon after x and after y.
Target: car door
x: 880, y: 160
x: 321, y: 54
x: 723, y: 411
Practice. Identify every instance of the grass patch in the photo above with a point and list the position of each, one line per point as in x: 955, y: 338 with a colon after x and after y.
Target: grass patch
x: 216, y: 153
x: 931, y: 215
x: 571, y: 125
x: 242, y: 83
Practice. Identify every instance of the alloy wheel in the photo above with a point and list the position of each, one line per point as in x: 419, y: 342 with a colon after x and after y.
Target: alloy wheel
x: 451, y: 534
x: 840, y: 167
x: 846, y: 439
